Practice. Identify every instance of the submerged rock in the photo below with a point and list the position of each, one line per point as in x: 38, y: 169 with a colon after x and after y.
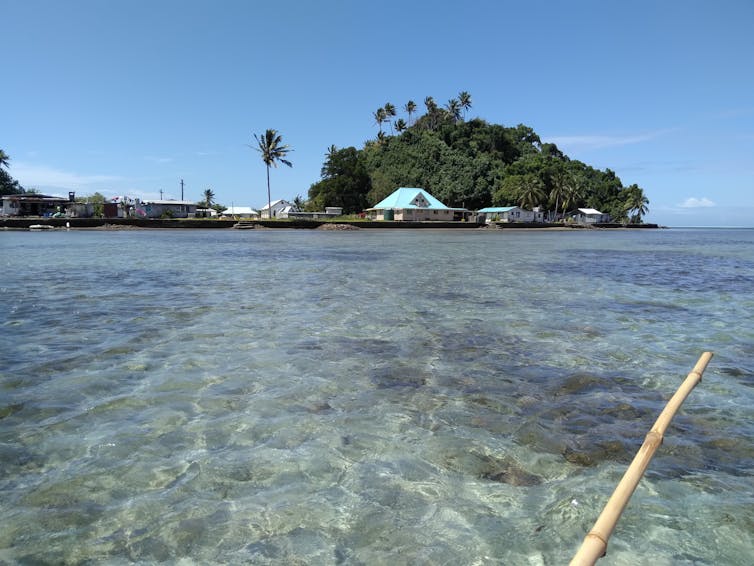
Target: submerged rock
x: 499, y: 469
x: 329, y: 226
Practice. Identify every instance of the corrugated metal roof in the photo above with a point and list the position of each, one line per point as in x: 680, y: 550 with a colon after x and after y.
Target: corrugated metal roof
x: 406, y: 197
x: 240, y: 210
x: 589, y: 211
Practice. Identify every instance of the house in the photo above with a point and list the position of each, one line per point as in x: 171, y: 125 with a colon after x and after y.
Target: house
x: 204, y: 212
x: 30, y: 204
x: 330, y: 212
x: 287, y: 211
x: 414, y: 205
x: 241, y: 212
x: 166, y: 208
x: 277, y: 206
x: 511, y: 214
x: 589, y: 216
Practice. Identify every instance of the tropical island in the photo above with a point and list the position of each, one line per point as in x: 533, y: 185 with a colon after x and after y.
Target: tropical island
x: 469, y: 164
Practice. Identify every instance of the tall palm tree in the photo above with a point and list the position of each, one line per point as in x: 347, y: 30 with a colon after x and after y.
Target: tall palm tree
x: 560, y: 182
x: 4, y: 159
x: 454, y: 109
x: 389, y: 113
x: 464, y: 98
x: 410, y: 108
x: 431, y: 106
x: 273, y: 151
x: 573, y: 194
x: 400, y: 125
x: 636, y: 205
x: 379, y: 117
x: 209, y: 198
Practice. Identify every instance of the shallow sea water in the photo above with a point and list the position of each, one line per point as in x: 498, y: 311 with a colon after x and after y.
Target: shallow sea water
x: 372, y: 397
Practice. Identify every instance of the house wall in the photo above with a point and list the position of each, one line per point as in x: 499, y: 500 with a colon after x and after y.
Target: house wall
x: 9, y: 208
x: 31, y: 206
x: 276, y: 208
x: 590, y: 218
x: 176, y: 210
x: 423, y: 214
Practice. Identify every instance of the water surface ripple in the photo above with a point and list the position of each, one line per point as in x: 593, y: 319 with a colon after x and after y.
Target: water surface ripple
x: 372, y: 397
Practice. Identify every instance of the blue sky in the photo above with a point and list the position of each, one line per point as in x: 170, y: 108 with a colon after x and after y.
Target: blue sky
x: 128, y: 97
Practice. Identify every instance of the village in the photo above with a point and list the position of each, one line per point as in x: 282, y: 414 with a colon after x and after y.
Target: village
x: 403, y: 205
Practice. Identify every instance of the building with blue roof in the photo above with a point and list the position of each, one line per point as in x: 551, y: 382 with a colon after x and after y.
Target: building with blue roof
x: 414, y: 205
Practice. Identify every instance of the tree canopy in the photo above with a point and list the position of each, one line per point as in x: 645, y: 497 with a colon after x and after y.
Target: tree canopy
x: 468, y: 163
x: 8, y: 185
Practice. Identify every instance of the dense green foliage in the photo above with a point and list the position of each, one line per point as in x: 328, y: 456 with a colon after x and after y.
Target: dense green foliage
x: 8, y: 185
x: 471, y: 164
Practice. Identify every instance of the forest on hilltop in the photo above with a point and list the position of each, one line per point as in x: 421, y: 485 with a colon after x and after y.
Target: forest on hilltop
x: 471, y: 164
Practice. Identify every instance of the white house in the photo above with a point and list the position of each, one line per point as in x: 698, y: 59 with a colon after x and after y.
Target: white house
x: 162, y: 208
x: 412, y: 204
x: 241, y: 212
x: 511, y: 214
x: 277, y: 206
x: 589, y: 216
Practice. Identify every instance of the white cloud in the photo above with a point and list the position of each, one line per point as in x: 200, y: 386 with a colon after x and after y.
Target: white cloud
x: 693, y: 202
x: 43, y: 176
x: 599, y: 141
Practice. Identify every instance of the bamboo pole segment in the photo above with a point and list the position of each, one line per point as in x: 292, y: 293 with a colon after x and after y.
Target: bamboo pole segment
x: 595, y: 543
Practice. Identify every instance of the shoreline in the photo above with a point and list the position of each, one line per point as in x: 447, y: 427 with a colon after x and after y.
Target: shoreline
x: 345, y: 225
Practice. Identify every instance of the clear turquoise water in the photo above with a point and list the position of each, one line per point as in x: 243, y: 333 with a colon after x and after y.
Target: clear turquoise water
x: 372, y: 397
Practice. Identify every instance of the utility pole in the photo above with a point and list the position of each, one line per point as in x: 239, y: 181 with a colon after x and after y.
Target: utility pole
x: 160, y: 194
x: 181, y: 189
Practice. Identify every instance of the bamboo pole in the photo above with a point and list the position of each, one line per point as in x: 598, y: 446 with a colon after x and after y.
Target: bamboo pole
x: 595, y: 543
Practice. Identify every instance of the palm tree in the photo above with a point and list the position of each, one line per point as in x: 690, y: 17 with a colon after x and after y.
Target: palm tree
x: 531, y: 192
x: 410, y: 108
x: 273, y: 151
x: 464, y: 98
x: 4, y: 158
x: 379, y: 117
x: 400, y: 125
x: 209, y: 197
x: 636, y: 204
x: 560, y: 182
x: 389, y: 113
x: 431, y: 105
x: 454, y: 109
x: 573, y: 194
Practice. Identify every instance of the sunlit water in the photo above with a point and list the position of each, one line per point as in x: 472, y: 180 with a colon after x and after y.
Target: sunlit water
x: 372, y: 397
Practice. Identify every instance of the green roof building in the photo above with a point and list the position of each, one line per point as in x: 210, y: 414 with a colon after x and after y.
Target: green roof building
x: 414, y: 205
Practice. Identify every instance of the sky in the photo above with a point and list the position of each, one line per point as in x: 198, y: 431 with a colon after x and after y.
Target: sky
x: 129, y: 97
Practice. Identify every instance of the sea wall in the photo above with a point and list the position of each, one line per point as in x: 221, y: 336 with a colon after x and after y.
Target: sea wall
x: 22, y: 223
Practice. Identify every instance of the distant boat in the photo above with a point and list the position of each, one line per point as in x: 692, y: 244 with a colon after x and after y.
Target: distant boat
x: 40, y: 227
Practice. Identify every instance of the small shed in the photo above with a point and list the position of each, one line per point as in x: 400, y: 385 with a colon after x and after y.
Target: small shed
x: 589, y: 216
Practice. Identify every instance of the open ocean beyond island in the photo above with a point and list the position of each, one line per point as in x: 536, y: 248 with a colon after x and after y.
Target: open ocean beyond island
x: 372, y: 397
